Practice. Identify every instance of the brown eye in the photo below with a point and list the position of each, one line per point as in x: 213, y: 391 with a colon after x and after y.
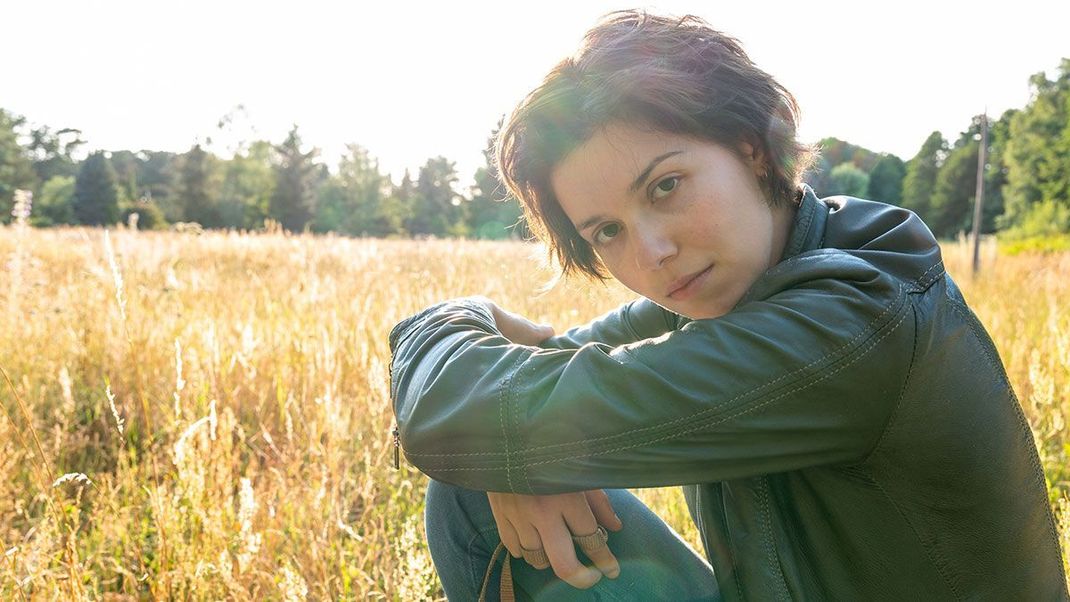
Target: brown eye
x: 606, y: 233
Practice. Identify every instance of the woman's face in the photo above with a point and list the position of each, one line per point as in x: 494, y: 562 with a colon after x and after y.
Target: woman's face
x: 678, y: 220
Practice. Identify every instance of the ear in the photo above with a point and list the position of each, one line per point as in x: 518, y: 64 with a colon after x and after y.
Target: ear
x: 754, y: 158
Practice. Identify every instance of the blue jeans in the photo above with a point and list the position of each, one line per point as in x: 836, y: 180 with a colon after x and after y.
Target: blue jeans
x: 655, y: 563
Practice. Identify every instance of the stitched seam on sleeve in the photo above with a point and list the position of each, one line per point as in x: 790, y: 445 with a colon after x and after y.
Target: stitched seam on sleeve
x: 868, y: 330
x: 503, y: 400
x: 516, y: 428
x: 822, y: 377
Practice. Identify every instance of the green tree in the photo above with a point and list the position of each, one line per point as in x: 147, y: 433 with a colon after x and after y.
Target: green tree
x: 356, y: 200
x: 125, y: 164
x: 198, y: 185
x: 54, y: 204
x: 1038, y: 147
x: 248, y: 183
x: 96, y: 193
x: 492, y: 212
x: 401, y: 202
x: 16, y: 169
x: 293, y: 201
x: 156, y: 175
x: 952, y: 201
x: 886, y: 180
x: 52, y: 151
x: 847, y: 179
x: 920, y: 179
x: 437, y: 206
x: 838, y: 151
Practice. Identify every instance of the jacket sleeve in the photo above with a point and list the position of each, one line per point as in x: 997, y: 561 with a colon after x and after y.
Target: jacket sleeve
x: 634, y: 321
x: 805, y: 371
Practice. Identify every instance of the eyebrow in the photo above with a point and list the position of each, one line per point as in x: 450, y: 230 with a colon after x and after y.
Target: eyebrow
x: 643, y: 175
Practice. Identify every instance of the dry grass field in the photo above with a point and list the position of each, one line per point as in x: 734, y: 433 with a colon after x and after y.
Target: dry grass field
x: 207, y: 417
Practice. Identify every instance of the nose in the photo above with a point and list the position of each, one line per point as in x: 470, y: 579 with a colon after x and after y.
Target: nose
x: 654, y: 247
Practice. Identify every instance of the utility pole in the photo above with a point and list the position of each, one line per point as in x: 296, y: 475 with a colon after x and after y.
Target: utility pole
x: 979, y: 199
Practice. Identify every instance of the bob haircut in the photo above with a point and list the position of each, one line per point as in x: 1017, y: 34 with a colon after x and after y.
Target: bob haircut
x: 677, y: 76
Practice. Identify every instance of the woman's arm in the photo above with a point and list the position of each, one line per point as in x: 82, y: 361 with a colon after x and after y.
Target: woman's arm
x: 634, y: 321
x: 804, y: 372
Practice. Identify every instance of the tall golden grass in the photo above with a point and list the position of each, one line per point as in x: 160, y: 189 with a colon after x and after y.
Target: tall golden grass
x: 207, y: 417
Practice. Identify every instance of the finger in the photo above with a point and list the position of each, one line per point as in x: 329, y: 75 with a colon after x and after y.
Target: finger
x: 506, y: 532
x: 603, y: 510
x: 557, y: 540
x: 529, y: 538
x: 510, y: 539
x: 582, y: 522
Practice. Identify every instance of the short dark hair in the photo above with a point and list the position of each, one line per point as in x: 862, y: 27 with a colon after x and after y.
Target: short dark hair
x: 676, y: 75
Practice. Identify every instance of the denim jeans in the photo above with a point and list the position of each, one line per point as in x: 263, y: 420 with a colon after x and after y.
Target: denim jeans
x: 655, y: 563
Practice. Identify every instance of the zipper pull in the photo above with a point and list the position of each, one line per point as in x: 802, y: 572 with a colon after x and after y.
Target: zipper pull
x: 397, y: 448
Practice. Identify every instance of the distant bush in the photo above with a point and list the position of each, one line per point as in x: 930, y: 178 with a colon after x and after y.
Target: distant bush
x: 149, y: 215
x: 1044, y: 227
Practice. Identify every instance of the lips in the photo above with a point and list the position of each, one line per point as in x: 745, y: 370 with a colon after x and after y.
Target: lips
x: 681, y: 287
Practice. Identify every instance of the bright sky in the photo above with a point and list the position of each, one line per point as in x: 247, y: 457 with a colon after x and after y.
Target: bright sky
x: 412, y: 80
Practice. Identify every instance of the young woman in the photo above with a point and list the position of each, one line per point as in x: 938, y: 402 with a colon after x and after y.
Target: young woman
x: 839, y: 420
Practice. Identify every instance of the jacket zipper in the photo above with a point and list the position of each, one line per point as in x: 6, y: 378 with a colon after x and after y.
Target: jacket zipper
x: 397, y: 448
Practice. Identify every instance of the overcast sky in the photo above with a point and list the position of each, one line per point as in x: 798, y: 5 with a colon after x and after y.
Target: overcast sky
x: 411, y: 80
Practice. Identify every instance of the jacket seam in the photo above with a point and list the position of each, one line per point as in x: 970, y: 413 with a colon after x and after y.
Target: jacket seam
x: 516, y: 428
x: 1038, y: 469
x: 855, y: 341
x: 902, y: 393
x: 745, y: 410
x: 628, y: 321
x: 503, y: 402
x: 770, y: 542
x: 920, y: 285
x: 728, y: 539
x: 934, y: 557
x: 821, y: 377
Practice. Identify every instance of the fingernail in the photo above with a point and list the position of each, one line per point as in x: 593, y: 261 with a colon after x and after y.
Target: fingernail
x: 613, y: 574
x: 594, y: 576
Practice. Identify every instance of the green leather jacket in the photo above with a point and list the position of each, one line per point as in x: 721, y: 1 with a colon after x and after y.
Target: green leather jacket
x: 846, y: 432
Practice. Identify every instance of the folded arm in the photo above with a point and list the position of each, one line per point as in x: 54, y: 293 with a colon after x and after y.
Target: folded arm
x: 804, y: 372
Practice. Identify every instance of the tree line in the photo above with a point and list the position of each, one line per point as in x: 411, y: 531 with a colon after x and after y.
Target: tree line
x: 1027, y: 181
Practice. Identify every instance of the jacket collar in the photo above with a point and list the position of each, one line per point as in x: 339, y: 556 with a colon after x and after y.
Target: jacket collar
x: 808, y: 230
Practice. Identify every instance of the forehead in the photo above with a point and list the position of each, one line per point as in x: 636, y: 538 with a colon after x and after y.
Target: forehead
x: 608, y: 162
x: 614, y: 152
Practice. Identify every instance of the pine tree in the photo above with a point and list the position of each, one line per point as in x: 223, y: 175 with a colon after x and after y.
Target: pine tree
x: 294, y: 198
x: 96, y: 193
x: 196, y: 188
x: 437, y: 207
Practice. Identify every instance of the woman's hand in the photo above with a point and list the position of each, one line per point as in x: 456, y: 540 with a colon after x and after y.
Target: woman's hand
x: 517, y: 328
x: 549, y: 522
